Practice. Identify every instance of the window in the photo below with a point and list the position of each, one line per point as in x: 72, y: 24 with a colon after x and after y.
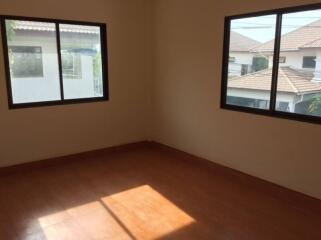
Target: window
x: 26, y: 61
x: 282, y: 51
x: 242, y: 81
x: 232, y: 59
x: 308, y: 62
x: 244, y: 69
x: 282, y: 59
x: 71, y: 65
x: 52, y: 62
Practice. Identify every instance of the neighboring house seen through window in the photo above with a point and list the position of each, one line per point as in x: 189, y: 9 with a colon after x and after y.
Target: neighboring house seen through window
x: 244, y: 69
x: 54, y: 61
x: 277, y: 67
x: 232, y: 59
x: 282, y: 59
x: 26, y: 61
x: 71, y: 65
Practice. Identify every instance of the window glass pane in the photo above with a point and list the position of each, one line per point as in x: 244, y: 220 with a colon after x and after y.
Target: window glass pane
x: 26, y: 61
x: 250, y: 73
x: 308, y: 62
x: 33, y: 61
x: 81, y: 61
x: 299, y: 78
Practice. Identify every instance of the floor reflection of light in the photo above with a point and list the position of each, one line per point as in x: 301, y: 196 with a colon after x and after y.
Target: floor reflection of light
x: 146, y: 213
x: 138, y: 213
x: 87, y: 221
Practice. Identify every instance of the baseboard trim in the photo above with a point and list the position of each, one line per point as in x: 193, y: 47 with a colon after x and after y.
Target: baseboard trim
x: 291, y: 197
x: 19, y: 168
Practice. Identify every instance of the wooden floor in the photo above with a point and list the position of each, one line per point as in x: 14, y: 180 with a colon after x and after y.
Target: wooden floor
x: 150, y: 193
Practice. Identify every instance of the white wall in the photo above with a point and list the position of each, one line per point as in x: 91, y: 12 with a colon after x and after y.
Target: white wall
x: 185, y: 63
x: 295, y: 59
x: 189, y: 42
x: 43, y: 132
x: 247, y: 93
x: 47, y: 88
x: 81, y: 87
x: 44, y: 88
x: 240, y: 58
x: 263, y: 95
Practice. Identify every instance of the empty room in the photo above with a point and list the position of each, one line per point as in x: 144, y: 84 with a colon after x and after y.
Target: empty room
x: 160, y: 120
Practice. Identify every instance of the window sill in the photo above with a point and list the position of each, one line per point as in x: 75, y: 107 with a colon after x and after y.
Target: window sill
x: 277, y: 114
x: 57, y: 102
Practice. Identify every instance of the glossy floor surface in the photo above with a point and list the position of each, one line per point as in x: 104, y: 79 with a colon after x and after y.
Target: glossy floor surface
x: 150, y: 193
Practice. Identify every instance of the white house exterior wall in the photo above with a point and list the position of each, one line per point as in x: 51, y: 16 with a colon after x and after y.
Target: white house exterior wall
x: 44, y: 88
x: 47, y: 88
x: 262, y: 95
x: 240, y: 58
x: 80, y: 88
x: 295, y: 59
x: 248, y: 93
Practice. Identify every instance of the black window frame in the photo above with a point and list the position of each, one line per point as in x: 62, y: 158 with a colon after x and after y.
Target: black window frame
x: 271, y: 112
x: 62, y: 101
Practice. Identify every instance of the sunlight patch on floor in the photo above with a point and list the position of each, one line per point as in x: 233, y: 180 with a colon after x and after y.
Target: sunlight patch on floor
x: 138, y: 213
x: 87, y: 221
x: 146, y: 213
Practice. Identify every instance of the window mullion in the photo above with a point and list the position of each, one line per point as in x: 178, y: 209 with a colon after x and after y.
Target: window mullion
x: 103, y: 40
x: 59, y: 61
x: 276, y: 55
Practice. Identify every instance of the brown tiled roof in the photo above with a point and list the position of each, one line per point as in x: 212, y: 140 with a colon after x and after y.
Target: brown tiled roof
x: 313, y: 44
x: 240, y: 43
x: 289, y: 80
x: 304, y: 37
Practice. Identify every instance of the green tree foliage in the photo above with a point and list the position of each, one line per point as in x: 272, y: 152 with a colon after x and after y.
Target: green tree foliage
x: 259, y: 63
x: 97, y: 72
x: 97, y: 65
x: 10, y: 25
x: 315, y: 105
